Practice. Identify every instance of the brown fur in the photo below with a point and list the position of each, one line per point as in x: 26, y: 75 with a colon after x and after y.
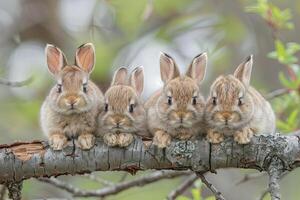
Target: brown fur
x: 180, y: 120
x: 70, y: 112
x: 228, y: 117
x: 117, y: 125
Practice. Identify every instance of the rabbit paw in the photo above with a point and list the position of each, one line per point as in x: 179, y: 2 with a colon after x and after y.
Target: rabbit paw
x: 57, y: 141
x: 162, y: 139
x: 125, y: 139
x: 86, y: 141
x: 214, y: 137
x: 185, y: 135
x: 243, y: 136
x: 111, y: 139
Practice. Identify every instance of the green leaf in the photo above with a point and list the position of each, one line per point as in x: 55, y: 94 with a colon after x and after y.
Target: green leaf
x: 285, y: 82
x: 282, y: 126
x: 196, y: 194
x: 292, y: 118
x: 280, y: 50
x: 182, y: 198
x: 211, y: 198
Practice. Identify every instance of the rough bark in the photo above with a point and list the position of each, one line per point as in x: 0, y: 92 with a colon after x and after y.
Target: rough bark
x: 21, y: 161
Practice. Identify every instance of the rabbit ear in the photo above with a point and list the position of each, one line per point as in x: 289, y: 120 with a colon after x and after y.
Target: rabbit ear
x: 137, y: 79
x: 197, y: 68
x: 243, y: 71
x: 120, y: 77
x: 168, y: 68
x: 85, y: 57
x: 56, y: 59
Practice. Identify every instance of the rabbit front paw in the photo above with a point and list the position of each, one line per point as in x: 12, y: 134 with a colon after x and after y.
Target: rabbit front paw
x: 243, y: 136
x: 57, y: 141
x: 111, y: 139
x: 125, y: 139
x: 214, y: 137
x: 86, y: 141
x: 185, y: 135
x: 162, y: 139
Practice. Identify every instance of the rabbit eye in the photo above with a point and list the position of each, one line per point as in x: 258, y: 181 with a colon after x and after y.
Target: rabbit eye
x: 214, y: 100
x: 194, y: 100
x: 131, y: 107
x: 241, y: 101
x: 59, y: 88
x: 84, y: 87
x: 170, y: 100
x: 106, y: 107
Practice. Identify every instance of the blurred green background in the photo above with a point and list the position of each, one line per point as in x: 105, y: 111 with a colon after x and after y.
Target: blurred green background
x: 132, y: 33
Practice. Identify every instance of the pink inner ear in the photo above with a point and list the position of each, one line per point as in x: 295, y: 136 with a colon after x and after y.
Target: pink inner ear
x: 120, y: 77
x: 85, y: 58
x: 166, y: 68
x: 54, y: 60
x: 137, y: 81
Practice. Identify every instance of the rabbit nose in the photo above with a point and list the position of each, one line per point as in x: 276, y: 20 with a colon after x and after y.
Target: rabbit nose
x: 227, y: 116
x: 118, y: 120
x: 181, y: 115
x: 72, y: 100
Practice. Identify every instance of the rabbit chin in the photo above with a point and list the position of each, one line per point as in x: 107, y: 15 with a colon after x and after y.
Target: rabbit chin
x: 178, y: 124
x: 67, y: 110
x: 229, y: 127
x: 120, y: 129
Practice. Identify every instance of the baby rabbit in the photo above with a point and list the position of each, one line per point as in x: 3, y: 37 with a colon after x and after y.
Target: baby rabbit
x: 176, y: 111
x: 71, y: 108
x: 234, y: 108
x: 124, y: 114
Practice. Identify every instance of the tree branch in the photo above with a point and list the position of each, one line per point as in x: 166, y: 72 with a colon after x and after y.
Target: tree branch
x: 182, y: 187
x: 210, y: 186
x: 16, y: 83
x: 110, y: 190
x: 274, y: 171
x: 277, y: 93
x: 2, y: 192
x: 14, y: 190
x: 21, y: 161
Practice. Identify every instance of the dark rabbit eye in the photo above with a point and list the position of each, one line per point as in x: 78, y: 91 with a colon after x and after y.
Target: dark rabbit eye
x: 131, y: 107
x: 84, y: 87
x: 59, y: 88
x: 240, y: 101
x: 214, y: 100
x: 194, y: 100
x: 106, y: 107
x: 170, y: 100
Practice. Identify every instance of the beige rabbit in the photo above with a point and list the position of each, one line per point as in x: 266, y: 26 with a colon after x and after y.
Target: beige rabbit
x: 72, y: 107
x: 124, y: 115
x: 234, y: 108
x: 176, y: 111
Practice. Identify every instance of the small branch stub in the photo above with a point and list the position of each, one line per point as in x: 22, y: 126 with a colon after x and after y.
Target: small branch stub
x: 15, y: 190
x: 275, y: 169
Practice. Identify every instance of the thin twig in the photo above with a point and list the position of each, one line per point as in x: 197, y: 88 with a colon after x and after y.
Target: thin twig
x: 99, y: 180
x: 16, y: 83
x: 212, y: 188
x: 248, y: 177
x: 182, y: 187
x: 2, y: 192
x: 124, y: 176
x: 277, y: 93
x: 144, y: 180
x: 266, y: 191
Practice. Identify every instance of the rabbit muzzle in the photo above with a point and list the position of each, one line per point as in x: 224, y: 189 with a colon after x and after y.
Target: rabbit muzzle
x: 181, y: 119
x: 226, y: 118
x: 73, y: 102
x: 118, y: 122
